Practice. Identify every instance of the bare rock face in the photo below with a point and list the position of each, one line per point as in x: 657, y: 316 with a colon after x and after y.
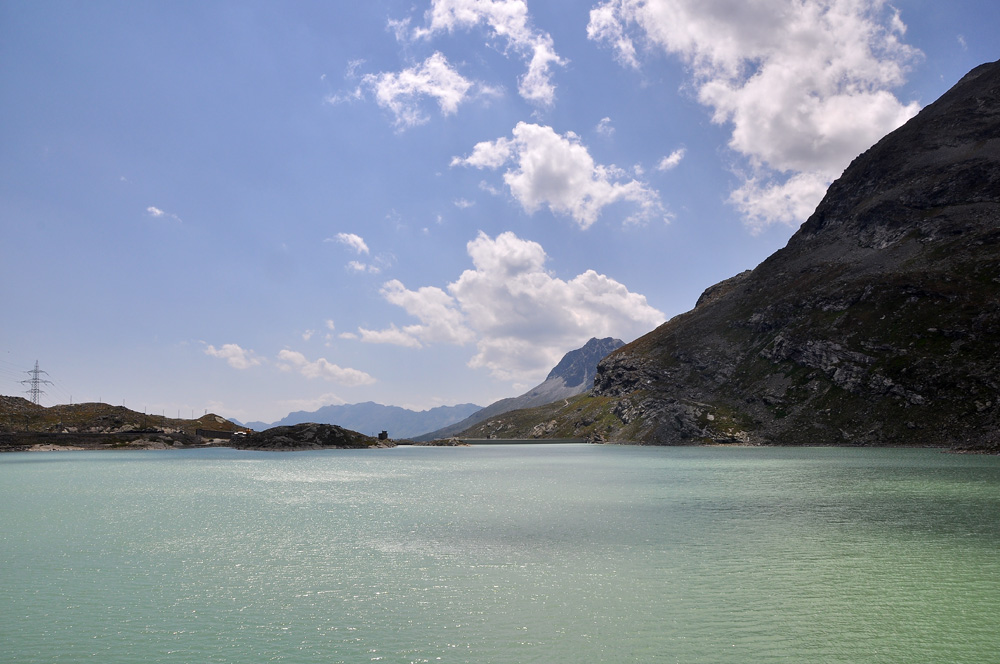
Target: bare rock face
x: 878, y: 323
x: 309, y: 436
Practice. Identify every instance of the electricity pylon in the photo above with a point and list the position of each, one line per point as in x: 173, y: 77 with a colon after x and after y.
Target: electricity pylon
x: 34, y: 383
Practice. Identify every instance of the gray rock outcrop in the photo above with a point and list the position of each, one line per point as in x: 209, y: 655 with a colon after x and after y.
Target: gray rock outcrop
x: 306, y: 436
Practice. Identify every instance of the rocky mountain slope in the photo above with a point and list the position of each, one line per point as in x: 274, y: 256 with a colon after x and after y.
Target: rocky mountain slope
x: 572, y: 376
x: 373, y: 417
x: 877, y: 324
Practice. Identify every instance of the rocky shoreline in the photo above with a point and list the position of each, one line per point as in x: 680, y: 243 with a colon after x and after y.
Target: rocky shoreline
x: 299, y: 437
x: 32, y: 441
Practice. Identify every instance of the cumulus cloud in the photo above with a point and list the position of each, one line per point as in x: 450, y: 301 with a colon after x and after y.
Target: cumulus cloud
x: 236, y: 357
x: 671, y: 160
x: 558, y: 172
x: 605, y: 128
x: 520, y: 317
x: 488, y: 154
x: 291, y: 360
x: 403, y: 93
x: 764, y: 202
x: 355, y: 242
x: 506, y: 20
x: 441, y: 320
x: 804, y: 84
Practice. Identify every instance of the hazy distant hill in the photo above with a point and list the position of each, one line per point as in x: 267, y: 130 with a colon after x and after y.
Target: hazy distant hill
x: 877, y: 324
x: 371, y: 418
x: 572, y: 376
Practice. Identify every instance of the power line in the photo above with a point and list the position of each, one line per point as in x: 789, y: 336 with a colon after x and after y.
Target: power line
x: 12, y: 371
x: 34, y: 383
x: 60, y: 393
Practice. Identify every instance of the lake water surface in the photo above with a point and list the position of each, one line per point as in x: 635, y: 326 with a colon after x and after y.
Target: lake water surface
x: 562, y: 553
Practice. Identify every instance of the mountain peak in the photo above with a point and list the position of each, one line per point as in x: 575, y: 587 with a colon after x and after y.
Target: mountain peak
x: 572, y: 376
x: 578, y: 367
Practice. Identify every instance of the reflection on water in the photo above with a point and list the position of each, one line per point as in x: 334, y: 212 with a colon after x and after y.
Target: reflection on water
x: 501, y: 554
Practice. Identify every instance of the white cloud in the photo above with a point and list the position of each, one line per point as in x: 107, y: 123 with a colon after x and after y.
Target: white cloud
x: 559, y: 173
x: 391, y: 335
x: 507, y: 20
x: 321, y: 368
x: 607, y: 24
x: 308, y: 334
x: 357, y: 266
x: 489, y: 189
x: 157, y: 213
x: 605, y: 128
x: 368, y: 268
x: 440, y: 320
x: 488, y: 154
x: 236, y: 357
x: 671, y: 160
x: 536, y: 85
x: 521, y: 318
x: 766, y: 202
x: 402, y: 92
x: 355, y: 242
x: 329, y: 324
x: 379, y: 263
x: 355, y: 94
x: 464, y: 203
x: 352, y: 68
x: 804, y: 84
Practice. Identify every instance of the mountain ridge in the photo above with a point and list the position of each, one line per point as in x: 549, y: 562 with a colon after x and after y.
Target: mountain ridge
x: 877, y: 324
x: 374, y: 417
x: 572, y: 375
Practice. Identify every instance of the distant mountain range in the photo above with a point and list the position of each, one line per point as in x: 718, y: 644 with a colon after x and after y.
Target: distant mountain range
x: 371, y: 418
x: 572, y: 376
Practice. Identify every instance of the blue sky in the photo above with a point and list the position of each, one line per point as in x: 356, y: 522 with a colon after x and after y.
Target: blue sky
x: 252, y: 208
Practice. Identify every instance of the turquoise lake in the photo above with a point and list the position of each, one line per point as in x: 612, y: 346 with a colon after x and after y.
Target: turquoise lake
x: 550, y: 553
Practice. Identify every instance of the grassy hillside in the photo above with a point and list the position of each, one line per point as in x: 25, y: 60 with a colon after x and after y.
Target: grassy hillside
x: 20, y: 415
